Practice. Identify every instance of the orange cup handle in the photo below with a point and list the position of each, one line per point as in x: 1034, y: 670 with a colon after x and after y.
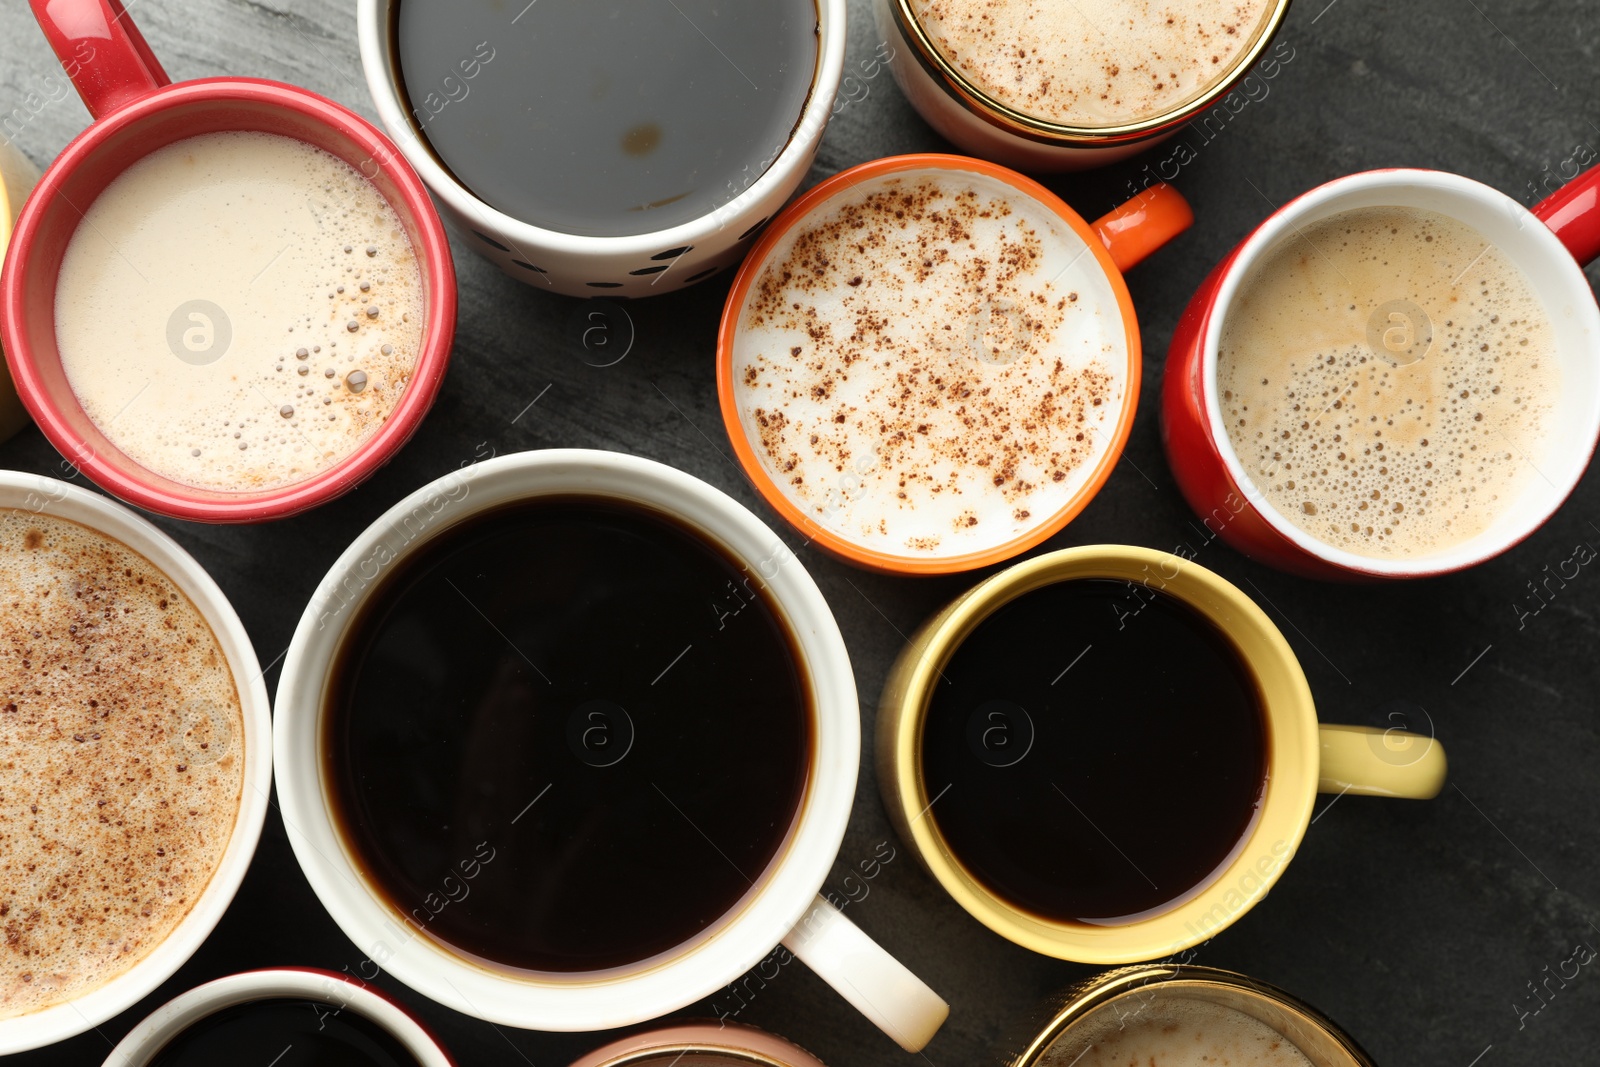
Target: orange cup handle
x: 1133, y: 230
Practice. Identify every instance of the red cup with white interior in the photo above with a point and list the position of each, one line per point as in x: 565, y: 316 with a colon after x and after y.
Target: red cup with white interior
x: 137, y: 112
x: 1490, y: 395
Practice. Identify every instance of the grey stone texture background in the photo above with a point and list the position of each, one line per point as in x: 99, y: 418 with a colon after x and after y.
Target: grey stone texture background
x: 1419, y: 926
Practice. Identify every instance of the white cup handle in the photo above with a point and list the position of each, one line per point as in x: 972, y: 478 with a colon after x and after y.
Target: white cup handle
x: 879, y: 985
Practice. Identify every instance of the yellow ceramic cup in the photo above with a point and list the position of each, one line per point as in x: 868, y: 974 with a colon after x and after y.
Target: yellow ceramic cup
x: 1107, y: 1004
x: 17, y: 179
x: 1303, y: 757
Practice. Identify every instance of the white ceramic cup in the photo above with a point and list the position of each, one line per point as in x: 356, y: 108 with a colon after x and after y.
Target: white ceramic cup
x: 784, y: 906
x: 338, y: 992
x: 637, y: 265
x: 61, y: 500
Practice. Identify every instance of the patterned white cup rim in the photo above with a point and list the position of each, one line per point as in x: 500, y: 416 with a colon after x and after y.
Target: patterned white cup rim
x: 377, y: 62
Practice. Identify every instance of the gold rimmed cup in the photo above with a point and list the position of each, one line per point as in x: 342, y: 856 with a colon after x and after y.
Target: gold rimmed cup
x: 1109, y: 1003
x: 953, y: 103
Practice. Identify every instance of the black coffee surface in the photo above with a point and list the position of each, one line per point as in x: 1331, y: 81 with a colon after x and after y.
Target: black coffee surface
x: 606, y: 117
x: 1096, y: 750
x: 299, y: 1033
x: 567, y: 735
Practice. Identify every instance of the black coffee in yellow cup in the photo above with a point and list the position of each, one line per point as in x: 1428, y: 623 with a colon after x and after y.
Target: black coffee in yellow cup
x: 1054, y: 725
x: 1109, y: 753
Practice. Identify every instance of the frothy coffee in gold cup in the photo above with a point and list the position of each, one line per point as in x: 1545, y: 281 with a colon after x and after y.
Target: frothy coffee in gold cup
x: 1177, y: 1015
x: 1094, y: 63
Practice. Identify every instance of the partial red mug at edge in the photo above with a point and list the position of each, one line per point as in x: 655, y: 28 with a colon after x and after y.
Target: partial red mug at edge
x: 136, y: 111
x: 1549, y: 244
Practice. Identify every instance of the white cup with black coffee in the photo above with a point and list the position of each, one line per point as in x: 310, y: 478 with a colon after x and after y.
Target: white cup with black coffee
x: 570, y: 740
x: 606, y: 148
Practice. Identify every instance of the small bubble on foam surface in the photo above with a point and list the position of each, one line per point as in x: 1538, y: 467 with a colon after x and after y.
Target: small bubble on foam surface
x: 121, y: 759
x: 1379, y: 459
x: 1096, y: 62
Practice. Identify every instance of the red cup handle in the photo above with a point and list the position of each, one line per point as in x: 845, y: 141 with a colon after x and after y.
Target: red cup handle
x: 101, y: 50
x: 1573, y: 213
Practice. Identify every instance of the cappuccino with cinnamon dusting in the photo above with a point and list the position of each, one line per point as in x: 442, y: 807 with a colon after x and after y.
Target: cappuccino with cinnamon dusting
x: 1093, y: 63
x: 121, y: 759
x: 1387, y: 379
x: 931, y: 364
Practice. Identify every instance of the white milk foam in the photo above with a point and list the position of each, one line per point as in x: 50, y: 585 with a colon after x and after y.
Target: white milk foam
x: 931, y: 364
x: 300, y: 253
x: 1092, y: 63
x: 121, y: 759
x: 1386, y: 460
x: 1171, y: 1031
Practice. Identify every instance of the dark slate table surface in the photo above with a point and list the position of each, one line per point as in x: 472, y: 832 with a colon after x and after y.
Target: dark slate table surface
x: 1419, y: 926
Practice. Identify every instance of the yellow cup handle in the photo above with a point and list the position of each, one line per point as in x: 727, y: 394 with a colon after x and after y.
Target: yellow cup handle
x: 1367, y: 761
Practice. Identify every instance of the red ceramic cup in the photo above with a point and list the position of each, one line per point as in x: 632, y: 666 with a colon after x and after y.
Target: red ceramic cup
x: 136, y: 111
x: 1549, y: 245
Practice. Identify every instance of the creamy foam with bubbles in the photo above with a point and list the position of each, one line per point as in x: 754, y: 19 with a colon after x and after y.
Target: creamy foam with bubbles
x: 1092, y: 62
x: 1151, y: 1030
x: 1342, y: 428
x: 315, y: 280
x: 121, y: 759
x: 930, y: 364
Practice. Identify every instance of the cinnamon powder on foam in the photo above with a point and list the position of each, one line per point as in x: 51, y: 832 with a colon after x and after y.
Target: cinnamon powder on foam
x: 925, y: 365
x: 121, y: 759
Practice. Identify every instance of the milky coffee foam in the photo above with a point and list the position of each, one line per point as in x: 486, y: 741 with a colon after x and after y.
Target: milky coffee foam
x: 239, y: 311
x: 1092, y: 62
x: 121, y: 759
x: 1342, y: 427
x: 931, y: 364
x: 1152, y: 1030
